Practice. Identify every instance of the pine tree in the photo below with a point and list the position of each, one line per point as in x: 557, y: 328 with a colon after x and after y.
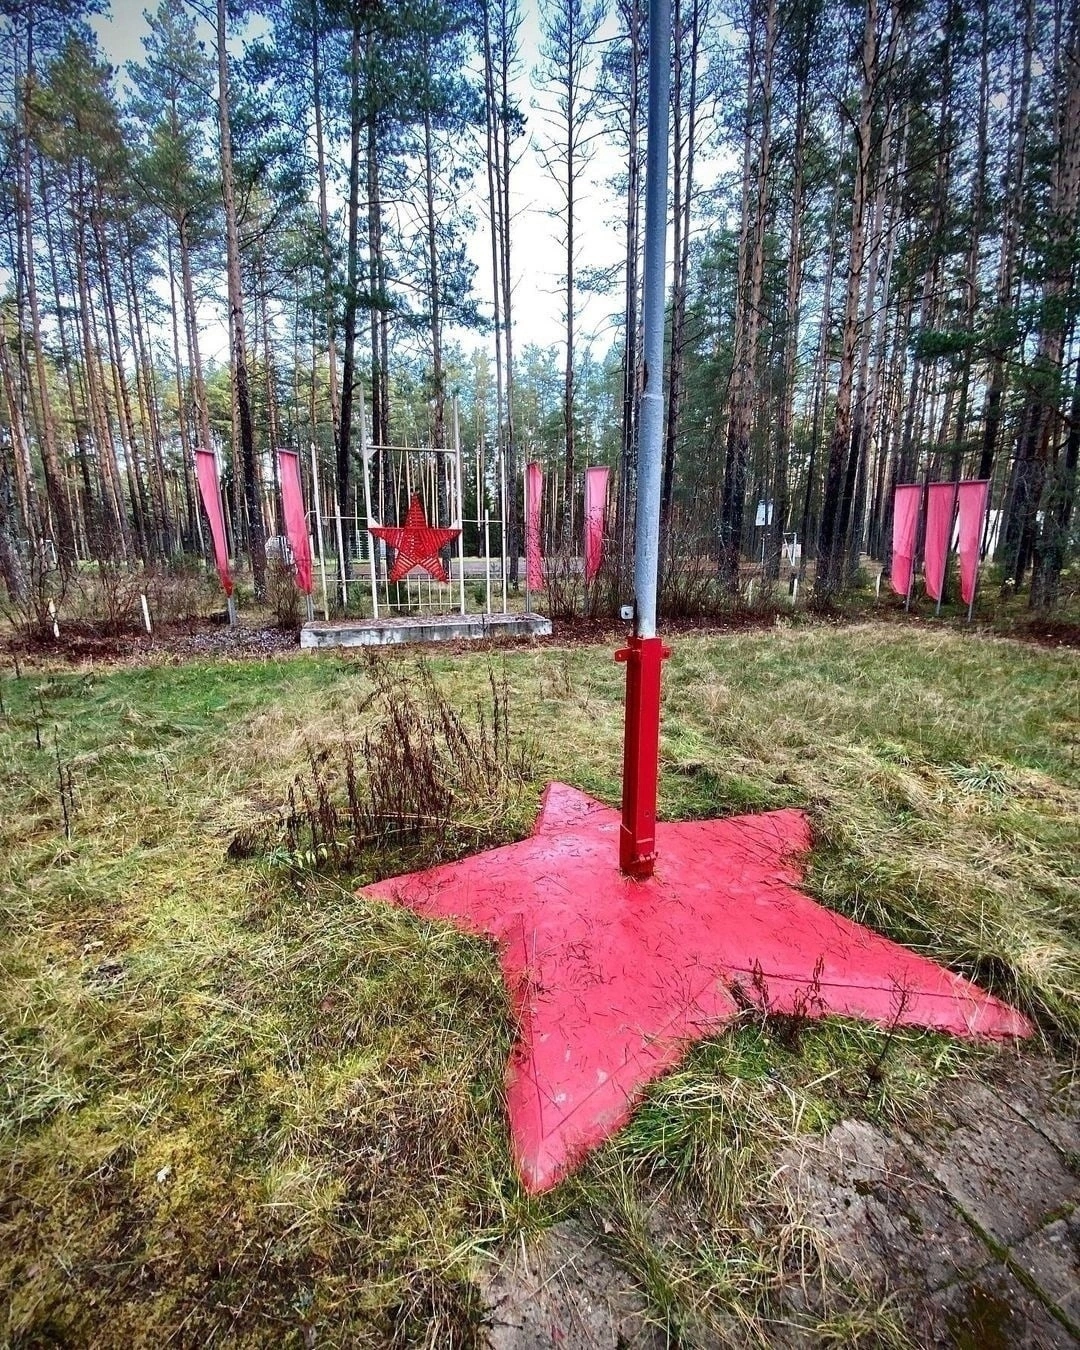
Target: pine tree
x: 569, y: 28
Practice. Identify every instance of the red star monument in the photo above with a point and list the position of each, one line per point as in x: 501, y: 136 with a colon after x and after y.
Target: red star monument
x: 611, y: 978
x: 417, y: 543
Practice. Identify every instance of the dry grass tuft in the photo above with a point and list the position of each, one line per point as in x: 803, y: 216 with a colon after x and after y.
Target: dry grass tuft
x: 421, y: 784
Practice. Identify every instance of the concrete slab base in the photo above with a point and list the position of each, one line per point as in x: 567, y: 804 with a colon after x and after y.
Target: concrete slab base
x: 425, y: 628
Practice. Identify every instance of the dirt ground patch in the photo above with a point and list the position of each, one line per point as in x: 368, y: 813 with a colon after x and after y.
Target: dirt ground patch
x: 199, y: 639
x: 184, y: 640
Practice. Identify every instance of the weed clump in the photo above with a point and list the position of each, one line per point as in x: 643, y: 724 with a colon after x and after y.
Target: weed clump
x: 423, y: 784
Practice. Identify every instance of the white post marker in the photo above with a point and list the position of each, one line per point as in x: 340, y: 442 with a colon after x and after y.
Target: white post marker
x: 145, y: 612
x: 52, y: 615
x: 460, y: 508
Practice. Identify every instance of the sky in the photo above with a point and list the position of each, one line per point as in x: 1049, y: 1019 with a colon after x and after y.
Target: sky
x: 536, y: 253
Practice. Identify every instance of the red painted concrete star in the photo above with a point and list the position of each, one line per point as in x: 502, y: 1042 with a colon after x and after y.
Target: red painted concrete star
x: 612, y: 979
x: 417, y: 543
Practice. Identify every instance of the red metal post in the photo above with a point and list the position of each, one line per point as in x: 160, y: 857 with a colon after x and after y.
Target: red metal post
x: 641, y: 753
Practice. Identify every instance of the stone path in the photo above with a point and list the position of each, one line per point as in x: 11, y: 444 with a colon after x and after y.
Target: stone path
x: 970, y: 1223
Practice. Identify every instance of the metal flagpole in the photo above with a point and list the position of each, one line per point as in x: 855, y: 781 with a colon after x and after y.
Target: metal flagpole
x: 645, y: 651
x: 315, y: 492
x: 365, y: 460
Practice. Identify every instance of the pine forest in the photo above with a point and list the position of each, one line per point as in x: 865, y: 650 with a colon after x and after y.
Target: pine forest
x: 872, y: 275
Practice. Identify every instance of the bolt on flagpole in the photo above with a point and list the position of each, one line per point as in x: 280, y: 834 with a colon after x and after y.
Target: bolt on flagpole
x: 645, y: 651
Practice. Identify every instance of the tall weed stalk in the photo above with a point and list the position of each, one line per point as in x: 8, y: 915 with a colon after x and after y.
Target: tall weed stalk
x: 420, y: 785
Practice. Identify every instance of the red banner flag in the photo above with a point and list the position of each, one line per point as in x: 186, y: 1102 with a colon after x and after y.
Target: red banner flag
x: 534, y: 562
x: 972, y: 501
x: 596, y: 481
x: 904, y: 522
x: 939, y: 513
x: 292, y: 505
x: 207, y: 474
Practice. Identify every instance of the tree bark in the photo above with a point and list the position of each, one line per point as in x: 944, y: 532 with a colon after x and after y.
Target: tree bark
x: 50, y: 458
x: 748, y: 320
x: 840, y: 472
x: 238, y: 345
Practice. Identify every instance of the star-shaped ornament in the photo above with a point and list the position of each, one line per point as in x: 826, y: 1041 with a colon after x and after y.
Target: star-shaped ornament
x: 417, y: 543
x: 612, y: 979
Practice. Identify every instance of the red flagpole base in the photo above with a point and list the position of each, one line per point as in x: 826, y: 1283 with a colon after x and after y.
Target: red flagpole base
x: 643, y: 658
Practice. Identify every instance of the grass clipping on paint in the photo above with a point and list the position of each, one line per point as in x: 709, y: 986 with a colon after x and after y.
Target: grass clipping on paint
x: 240, y: 1105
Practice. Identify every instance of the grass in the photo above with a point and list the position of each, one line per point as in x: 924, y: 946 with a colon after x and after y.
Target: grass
x: 236, y: 1103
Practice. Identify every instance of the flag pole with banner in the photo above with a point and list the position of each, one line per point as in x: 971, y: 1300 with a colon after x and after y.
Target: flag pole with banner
x: 206, y: 471
x: 292, y: 507
x: 906, y: 502
x: 973, y: 498
x: 940, y: 498
x: 534, y: 565
x: 596, y: 481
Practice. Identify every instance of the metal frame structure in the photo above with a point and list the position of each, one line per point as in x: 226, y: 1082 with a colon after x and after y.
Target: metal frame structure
x: 416, y: 469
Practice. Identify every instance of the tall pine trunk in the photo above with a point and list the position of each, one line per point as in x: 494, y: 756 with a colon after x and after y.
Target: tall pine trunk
x: 238, y: 340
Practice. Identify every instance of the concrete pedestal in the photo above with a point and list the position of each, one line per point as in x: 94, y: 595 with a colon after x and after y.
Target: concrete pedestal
x: 424, y: 628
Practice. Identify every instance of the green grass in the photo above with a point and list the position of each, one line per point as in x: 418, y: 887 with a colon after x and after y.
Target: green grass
x: 235, y: 1102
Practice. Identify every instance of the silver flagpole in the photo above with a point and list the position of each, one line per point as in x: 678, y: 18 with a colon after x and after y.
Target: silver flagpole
x: 644, y: 652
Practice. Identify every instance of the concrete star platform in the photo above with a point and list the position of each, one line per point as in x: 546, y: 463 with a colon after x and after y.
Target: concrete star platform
x: 613, y: 979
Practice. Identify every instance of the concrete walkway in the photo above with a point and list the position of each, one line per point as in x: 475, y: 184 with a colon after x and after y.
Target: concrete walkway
x: 969, y: 1223
x: 972, y: 1223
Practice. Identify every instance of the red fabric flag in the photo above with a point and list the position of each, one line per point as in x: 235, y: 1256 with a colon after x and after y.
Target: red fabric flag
x: 207, y: 474
x: 904, y: 522
x: 939, y: 514
x: 596, y: 481
x: 534, y: 562
x: 292, y: 504
x: 972, y: 501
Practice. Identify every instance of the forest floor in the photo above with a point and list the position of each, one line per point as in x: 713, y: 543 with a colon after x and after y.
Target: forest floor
x: 239, y: 1105
x: 257, y: 635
